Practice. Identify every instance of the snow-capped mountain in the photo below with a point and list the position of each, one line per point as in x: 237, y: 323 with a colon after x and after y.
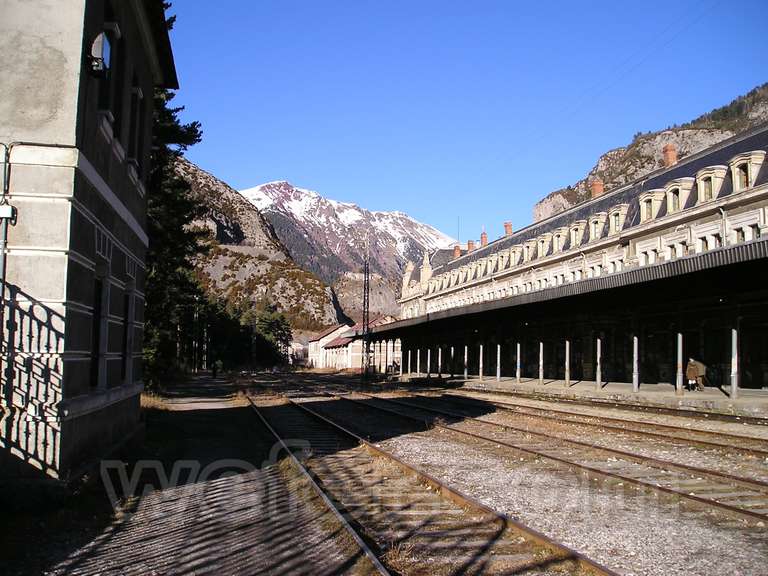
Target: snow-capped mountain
x: 328, y: 237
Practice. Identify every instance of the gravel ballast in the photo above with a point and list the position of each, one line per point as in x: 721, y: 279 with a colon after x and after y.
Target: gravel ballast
x: 630, y: 531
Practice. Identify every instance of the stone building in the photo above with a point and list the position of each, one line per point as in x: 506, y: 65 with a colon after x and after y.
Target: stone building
x: 345, y: 352
x: 619, y: 287
x: 317, y: 355
x: 75, y: 132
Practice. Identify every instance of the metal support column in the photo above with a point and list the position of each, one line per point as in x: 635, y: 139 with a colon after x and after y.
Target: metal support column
x: 517, y: 364
x: 439, y: 361
x: 429, y: 362
x: 635, y: 363
x: 409, y: 363
x: 734, y: 363
x: 679, y: 372
x: 541, y: 362
x: 498, y: 362
x: 453, y: 366
x: 481, y: 361
x: 567, y: 363
x: 466, y: 358
x: 418, y: 362
x: 599, y: 361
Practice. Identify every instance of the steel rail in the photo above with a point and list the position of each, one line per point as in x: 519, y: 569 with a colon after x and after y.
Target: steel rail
x: 364, y: 548
x: 516, y: 408
x: 664, y: 464
x: 464, y: 500
x: 708, y: 501
x: 682, y: 412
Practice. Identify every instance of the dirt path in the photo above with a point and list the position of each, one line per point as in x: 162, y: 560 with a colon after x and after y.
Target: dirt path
x: 230, y: 509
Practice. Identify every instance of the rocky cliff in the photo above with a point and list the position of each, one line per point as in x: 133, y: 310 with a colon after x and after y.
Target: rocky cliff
x: 349, y: 291
x: 644, y: 153
x: 247, y: 262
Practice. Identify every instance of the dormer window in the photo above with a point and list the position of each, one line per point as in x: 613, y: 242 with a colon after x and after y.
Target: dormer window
x: 558, y: 242
x: 597, y: 225
x: 744, y: 169
x: 577, y: 232
x: 617, y: 216
x: 650, y: 204
x: 710, y: 181
x: 677, y: 192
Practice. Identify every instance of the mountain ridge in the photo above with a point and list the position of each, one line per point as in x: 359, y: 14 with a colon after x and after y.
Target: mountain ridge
x: 643, y: 154
x: 328, y: 236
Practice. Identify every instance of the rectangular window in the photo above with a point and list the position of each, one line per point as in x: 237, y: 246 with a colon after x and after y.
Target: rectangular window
x: 743, y: 176
x: 127, y: 329
x: 96, y: 320
x: 675, y: 200
x: 740, y: 235
x: 136, y: 129
x: 616, y: 218
x: 717, y: 241
x: 118, y: 87
x: 648, y: 210
x: 706, y: 191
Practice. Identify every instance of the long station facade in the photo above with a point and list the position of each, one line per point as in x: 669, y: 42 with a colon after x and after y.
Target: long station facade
x: 624, y: 287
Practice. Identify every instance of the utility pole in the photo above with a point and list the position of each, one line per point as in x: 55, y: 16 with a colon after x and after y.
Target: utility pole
x: 366, y: 311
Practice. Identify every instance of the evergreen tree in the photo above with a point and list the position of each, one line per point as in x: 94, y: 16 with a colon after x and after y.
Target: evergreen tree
x: 172, y: 292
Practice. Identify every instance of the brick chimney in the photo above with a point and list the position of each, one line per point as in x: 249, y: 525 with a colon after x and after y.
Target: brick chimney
x: 470, y: 245
x: 483, y: 239
x: 456, y: 251
x: 597, y: 187
x: 670, y: 155
x: 507, y: 228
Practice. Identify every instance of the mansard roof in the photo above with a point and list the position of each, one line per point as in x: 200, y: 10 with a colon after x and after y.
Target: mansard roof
x: 720, y: 154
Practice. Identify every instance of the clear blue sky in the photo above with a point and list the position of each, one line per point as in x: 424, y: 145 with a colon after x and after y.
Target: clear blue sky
x: 444, y: 108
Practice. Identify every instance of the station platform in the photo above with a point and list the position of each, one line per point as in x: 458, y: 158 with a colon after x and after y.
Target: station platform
x: 750, y: 403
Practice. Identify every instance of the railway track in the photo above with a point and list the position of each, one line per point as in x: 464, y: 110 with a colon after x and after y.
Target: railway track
x: 409, y: 520
x: 600, y: 403
x: 733, y: 442
x: 744, y: 497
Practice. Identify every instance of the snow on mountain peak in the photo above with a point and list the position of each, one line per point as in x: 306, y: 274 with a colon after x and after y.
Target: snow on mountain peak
x: 341, y: 227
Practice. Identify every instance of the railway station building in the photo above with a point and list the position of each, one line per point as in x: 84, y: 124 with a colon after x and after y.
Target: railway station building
x: 625, y: 287
x: 75, y: 133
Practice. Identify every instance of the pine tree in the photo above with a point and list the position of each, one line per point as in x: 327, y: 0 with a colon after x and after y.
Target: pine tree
x: 172, y: 291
